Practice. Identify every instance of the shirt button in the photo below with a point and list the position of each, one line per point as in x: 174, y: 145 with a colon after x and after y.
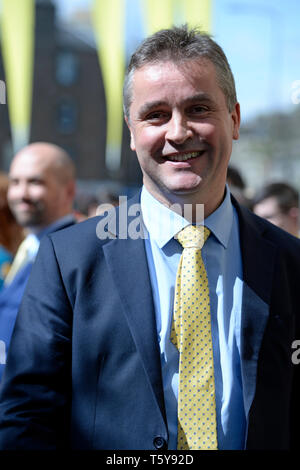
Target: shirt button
x: 159, y: 443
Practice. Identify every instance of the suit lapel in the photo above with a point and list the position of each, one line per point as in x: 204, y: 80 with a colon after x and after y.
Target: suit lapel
x: 127, y: 262
x: 258, y: 256
x: 132, y: 280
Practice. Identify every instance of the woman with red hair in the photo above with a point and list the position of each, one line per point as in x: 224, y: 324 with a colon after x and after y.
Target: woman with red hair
x: 11, y: 234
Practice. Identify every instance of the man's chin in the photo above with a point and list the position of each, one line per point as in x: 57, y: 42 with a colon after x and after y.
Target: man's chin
x: 27, y: 221
x: 186, y: 188
x: 180, y: 189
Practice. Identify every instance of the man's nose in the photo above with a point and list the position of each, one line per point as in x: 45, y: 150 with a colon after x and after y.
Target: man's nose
x: 22, y: 190
x: 178, y: 130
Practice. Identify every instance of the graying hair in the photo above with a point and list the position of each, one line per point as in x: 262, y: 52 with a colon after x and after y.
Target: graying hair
x: 180, y: 44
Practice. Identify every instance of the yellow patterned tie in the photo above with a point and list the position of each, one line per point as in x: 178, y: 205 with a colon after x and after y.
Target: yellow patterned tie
x: 20, y: 259
x: 191, y: 334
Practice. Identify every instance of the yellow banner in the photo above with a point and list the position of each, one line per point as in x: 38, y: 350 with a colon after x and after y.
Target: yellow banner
x: 108, y: 21
x: 17, y: 37
x: 198, y: 13
x: 159, y: 14
x: 164, y: 13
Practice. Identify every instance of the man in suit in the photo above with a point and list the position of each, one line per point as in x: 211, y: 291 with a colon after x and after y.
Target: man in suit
x: 99, y: 370
x: 40, y: 195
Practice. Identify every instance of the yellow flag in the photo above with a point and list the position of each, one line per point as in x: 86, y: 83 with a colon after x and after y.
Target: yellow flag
x: 198, y: 13
x: 108, y: 21
x: 17, y: 37
x: 164, y: 13
x: 159, y: 14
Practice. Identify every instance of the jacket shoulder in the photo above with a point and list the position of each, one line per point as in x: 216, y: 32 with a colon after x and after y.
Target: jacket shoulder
x: 98, y: 230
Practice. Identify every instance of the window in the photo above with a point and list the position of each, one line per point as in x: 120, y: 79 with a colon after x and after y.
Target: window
x: 67, y: 68
x: 67, y: 116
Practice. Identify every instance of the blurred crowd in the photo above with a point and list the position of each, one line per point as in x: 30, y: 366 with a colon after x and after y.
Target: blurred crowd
x: 275, y: 201
x: 11, y: 233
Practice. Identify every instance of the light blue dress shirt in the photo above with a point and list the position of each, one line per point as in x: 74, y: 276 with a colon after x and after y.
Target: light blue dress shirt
x: 222, y: 258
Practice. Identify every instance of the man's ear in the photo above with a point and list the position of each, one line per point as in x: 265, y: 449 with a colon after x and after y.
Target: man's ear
x: 294, y: 213
x: 71, y: 190
x: 132, y: 144
x: 236, y: 120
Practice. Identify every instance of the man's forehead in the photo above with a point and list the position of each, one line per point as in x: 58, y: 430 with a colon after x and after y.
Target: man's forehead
x: 184, y: 65
x: 157, y: 76
x: 187, y: 81
x: 270, y: 201
x: 31, y: 164
x: 267, y: 207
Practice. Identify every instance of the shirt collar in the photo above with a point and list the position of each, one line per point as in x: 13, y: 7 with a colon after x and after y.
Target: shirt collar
x: 162, y: 223
x: 32, y: 243
x: 220, y: 221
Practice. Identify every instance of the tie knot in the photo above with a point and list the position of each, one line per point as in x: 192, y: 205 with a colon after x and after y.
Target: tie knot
x: 193, y: 236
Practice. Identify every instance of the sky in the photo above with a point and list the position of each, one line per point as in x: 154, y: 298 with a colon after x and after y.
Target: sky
x: 261, y: 39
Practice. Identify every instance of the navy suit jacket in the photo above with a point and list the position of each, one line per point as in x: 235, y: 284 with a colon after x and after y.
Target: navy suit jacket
x: 84, y: 367
x: 10, y: 300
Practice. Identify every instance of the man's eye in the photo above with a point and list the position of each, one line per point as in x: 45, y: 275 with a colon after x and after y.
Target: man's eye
x: 156, y: 116
x: 199, y: 109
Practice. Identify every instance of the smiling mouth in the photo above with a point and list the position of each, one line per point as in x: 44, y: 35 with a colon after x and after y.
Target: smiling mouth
x: 25, y: 206
x: 182, y: 157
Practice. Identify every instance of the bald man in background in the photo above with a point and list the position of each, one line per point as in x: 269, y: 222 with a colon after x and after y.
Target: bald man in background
x: 40, y: 195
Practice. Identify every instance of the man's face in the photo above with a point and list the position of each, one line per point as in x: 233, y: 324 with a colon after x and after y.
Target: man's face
x: 34, y: 193
x: 182, y: 131
x: 269, y: 209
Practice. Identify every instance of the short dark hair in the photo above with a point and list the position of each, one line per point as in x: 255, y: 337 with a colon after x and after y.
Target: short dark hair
x: 234, y: 177
x: 181, y: 44
x: 285, y: 194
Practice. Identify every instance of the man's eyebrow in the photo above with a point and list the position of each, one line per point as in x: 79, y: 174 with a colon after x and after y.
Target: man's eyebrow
x: 30, y: 178
x: 199, y: 97
x: 146, y: 107
x: 150, y: 105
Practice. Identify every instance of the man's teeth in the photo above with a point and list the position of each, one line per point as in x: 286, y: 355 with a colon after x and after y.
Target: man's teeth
x: 183, y: 157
